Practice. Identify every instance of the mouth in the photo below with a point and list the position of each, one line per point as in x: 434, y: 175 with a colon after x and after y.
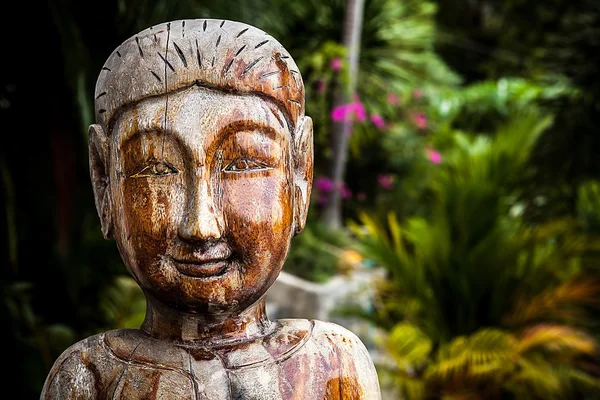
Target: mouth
x: 202, y: 268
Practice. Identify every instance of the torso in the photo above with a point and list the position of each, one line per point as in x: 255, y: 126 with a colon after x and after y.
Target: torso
x: 300, y: 360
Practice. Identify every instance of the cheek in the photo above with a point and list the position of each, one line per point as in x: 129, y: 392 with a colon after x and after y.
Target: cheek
x: 258, y: 210
x: 147, y: 210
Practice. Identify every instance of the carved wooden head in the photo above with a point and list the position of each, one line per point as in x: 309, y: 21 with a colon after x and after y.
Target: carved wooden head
x: 201, y: 161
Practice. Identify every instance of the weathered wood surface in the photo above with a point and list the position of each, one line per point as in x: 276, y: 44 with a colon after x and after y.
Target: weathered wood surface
x: 201, y: 161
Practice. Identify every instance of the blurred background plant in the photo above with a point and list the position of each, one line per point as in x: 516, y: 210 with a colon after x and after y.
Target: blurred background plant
x: 472, y: 178
x: 477, y: 303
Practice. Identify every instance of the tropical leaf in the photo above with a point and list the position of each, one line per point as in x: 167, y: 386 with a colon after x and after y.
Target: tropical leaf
x: 409, y: 345
x: 486, y: 350
x: 558, y: 303
x: 534, y: 378
x: 555, y: 338
x: 123, y: 304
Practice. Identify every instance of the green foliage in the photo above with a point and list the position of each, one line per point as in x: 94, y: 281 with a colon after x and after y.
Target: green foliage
x: 588, y: 206
x: 316, y: 252
x: 451, y: 271
x: 397, y: 55
x: 123, y: 304
x: 533, y: 363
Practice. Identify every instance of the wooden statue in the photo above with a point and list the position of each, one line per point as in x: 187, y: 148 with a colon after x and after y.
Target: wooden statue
x: 201, y: 162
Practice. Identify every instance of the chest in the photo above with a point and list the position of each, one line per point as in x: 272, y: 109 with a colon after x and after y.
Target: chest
x: 297, y: 377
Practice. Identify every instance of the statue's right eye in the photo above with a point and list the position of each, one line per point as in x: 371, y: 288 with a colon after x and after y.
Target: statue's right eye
x: 157, y: 168
x: 246, y: 164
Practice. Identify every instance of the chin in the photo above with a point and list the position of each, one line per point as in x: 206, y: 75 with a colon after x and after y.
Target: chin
x: 229, y: 292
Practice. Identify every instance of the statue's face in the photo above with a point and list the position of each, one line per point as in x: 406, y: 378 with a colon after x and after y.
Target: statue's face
x: 202, y: 191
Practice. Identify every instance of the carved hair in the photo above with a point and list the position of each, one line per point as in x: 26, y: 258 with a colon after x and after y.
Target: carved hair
x: 218, y: 54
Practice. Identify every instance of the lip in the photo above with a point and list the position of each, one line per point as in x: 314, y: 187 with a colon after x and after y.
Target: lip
x: 201, y: 268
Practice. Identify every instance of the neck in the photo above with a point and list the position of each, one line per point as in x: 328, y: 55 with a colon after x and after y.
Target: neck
x: 167, y: 324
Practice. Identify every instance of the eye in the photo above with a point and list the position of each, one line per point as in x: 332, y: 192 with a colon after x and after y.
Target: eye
x: 157, y: 168
x: 245, y: 164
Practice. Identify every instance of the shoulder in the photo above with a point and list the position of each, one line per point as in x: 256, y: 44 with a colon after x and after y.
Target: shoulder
x: 344, y: 340
x: 356, y: 371
x: 74, y: 374
x: 357, y: 367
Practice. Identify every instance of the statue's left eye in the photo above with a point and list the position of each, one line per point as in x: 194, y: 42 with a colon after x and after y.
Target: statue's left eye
x: 245, y: 164
x: 158, y: 168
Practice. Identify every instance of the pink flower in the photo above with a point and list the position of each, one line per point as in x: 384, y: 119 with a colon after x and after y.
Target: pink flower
x: 359, y: 110
x: 321, y: 86
x: 392, y: 99
x: 324, y: 184
x: 339, y: 113
x: 386, y: 181
x: 433, y: 155
x: 336, y: 64
x: 345, y: 111
x: 378, y: 121
x: 345, y: 191
x: 420, y: 120
x: 417, y: 93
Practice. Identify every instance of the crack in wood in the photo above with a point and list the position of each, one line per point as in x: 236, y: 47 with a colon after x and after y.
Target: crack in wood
x: 137, y: 40
x: 156, y: 76
x: 261, y: 43
x: 162, y: 153
x: 198, y: 58
x: 240, y: 50
x: 181, y: 55
x: 229, y: 65
x: 268, y: 74
x: 252, y: 64
x: 167, y: 63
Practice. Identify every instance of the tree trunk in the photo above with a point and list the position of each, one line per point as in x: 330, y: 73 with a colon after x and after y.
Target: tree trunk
x: 332, y: 214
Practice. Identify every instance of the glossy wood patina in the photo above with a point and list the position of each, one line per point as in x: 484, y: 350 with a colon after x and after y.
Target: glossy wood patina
x: 201, y: 162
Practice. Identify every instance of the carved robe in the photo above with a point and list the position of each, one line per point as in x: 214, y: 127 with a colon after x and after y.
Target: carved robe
x: 300, y: 360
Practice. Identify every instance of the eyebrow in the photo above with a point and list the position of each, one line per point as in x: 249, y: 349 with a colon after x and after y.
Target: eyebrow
x: 223, y: 134
x: 241, y: 126
x: 151, y: 129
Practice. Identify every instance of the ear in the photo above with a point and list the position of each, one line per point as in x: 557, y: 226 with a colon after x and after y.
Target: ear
x: 98, y: 148
x: 303, y: 172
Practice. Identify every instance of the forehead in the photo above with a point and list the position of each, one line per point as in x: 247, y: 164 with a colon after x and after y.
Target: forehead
x: 199, y: 112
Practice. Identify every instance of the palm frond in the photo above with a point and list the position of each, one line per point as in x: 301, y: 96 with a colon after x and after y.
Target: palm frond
x: 534, y: 377
x: 559, y: 303
x: 408, y: 345
x: 556, y: 338
x: 404, y: 382
x: 123, y: 303
x: 486, y: 350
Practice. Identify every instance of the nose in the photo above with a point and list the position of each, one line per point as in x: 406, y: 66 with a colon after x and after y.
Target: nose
x: 202, y: 220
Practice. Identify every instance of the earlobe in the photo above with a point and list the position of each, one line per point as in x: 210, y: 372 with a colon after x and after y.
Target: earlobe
x: 98, y: 154
x: 303, y: 172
